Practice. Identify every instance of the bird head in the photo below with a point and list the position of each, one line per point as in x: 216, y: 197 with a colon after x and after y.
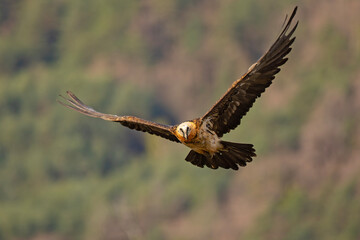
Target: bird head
x: 186, y: 131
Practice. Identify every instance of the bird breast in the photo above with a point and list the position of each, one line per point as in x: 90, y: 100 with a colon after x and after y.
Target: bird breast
x: 206, y: 142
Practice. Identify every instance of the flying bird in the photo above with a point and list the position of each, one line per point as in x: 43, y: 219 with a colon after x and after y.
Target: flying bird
x: 203, y: 135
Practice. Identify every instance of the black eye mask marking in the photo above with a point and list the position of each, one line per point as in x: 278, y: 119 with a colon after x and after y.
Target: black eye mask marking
x: 182, y: 131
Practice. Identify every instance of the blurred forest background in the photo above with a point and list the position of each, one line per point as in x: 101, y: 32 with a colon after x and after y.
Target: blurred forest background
x: 67, y: 176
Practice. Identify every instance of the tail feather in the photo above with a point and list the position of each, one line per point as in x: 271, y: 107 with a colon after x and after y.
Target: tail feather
x: 231, y: 160
x: 220, y: 162
x: 231, y: 156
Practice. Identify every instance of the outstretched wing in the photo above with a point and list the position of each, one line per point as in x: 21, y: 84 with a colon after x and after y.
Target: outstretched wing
x: 139, y: 124
x: 226, y: 114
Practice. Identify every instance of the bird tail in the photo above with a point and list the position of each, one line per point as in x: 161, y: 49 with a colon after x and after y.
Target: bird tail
x: 231, y: 156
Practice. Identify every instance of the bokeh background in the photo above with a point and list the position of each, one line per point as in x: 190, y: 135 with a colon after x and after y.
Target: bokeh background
x: 67, y: 176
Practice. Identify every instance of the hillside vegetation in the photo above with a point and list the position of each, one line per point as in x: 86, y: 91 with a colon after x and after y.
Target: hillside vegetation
x: 67, y: 176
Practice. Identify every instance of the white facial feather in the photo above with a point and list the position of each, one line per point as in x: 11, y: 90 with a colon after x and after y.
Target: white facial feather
x: 184, y: 129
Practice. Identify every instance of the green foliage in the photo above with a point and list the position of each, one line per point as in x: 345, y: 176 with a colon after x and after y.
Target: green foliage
x: 73, y: 177
x: 59, y: 207
x: 296, y: 216
x: 193, y: 34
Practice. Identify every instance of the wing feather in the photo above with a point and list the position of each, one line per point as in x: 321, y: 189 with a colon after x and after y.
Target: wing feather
x: 131, y: 122
x: 227, y: 112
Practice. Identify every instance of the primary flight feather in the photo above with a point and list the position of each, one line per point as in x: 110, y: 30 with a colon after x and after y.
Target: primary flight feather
x: 203, y: 134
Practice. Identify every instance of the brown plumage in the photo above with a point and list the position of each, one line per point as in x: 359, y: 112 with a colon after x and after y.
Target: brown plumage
x: 127, y: 121
x: 227, y: 112
x: 203, y: 134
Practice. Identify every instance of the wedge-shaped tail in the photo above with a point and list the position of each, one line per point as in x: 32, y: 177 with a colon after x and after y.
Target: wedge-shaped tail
x: 231, y: 156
